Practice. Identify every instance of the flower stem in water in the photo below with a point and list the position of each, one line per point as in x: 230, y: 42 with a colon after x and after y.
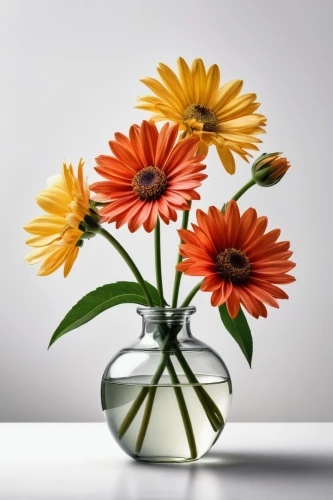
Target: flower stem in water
x: 183, y: 410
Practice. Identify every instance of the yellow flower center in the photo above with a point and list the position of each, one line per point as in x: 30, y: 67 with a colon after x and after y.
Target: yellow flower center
x: 233, y: 265
x: 202, y: 114
x: 149, y: 183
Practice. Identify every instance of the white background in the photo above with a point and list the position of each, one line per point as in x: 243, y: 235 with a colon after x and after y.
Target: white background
x: 69, y: 79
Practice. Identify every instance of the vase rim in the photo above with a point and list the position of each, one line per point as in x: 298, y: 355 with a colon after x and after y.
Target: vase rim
x: 168, y: 311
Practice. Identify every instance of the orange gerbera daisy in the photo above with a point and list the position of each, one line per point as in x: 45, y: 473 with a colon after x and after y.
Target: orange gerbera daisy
x: 220, y: 116
x: 240, y: 263
x: 149, y: 176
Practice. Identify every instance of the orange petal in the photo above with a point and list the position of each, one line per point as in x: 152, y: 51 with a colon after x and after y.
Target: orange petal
x: 149, y: 137
x: 232, y: 222
x: 261, y: 295
x: 217, y: 228
x: 139, y: 218
x: 151, y: 220
x: 272, y: 267
x: 248, y: 301
x: 134, y: 134
x: 184, y: 265
x: 125, y: 155
x: 165, y: 144
x: 187, y: 236
x: 258, y: 230
x: 279, y: 279
x: 264, y: 242
x: 233, y: 303
x: 211, y: 283
x: 246, y: 227
x: 183, y: 150
x: 273, y: 290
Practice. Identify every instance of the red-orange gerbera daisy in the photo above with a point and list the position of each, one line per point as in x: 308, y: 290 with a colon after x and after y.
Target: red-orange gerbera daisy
x: 149, y: 176
x: 240, y: 263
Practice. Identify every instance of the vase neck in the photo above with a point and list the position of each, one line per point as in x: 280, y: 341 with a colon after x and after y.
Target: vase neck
x: 162, y: 324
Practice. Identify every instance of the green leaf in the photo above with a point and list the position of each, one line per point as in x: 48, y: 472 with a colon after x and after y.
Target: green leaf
x: 101, y: 299
x: 239, y: 330
x: 153, y: 292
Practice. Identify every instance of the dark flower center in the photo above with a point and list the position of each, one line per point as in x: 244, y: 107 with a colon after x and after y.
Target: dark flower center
x: 149, y: 183
x: 202, y: 114
x: 233, y: 265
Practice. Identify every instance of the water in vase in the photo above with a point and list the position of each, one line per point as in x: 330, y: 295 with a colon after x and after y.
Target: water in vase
x: 165, y: 438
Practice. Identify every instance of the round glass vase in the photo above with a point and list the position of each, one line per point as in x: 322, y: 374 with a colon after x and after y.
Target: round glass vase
x: 166, y: 397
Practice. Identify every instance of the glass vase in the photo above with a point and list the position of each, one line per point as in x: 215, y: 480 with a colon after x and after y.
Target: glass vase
x: 166, y: 397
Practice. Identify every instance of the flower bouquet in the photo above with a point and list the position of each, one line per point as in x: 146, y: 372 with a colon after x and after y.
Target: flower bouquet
x: 166, y: 397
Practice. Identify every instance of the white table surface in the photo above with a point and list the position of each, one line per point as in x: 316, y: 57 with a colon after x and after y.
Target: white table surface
x: 249, y: 462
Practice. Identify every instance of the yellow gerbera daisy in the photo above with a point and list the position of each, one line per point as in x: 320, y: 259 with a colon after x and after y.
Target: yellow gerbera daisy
x: 58, y: 235
x: 195, y: 100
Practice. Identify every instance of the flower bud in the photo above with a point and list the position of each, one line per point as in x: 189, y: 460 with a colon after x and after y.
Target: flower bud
x: 269, y: 169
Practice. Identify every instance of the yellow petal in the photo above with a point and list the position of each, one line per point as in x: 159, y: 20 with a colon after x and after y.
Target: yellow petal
x: 45, y: 225
x: 158, y: 89
x: 200, y: 81
x: 73, y: 220
x: 225, y: 94
x: 251, y: 108
x: 79, y: 207
x: 202, y: 149
x: 70, y: 261
x: 244, y: 122
x: 80, y: 178
x: 146, y: 107
x: 41, y: 241
x: 68, y: 175
x: 186, y: 80
x: 218, y: 140
x: 239, y: 102
x: 54, y: 261
x: 169, y: 113
x: 71, y: 236
x: 53, y: 202
x: 242, y: 105
x: 233, y: 146
x: 227, y: 159
x: 40, y: 254
x: 157, y: 117
x: 213, y: 82
x: 207, y: 137
x: 171, y: 81
x: 148, y: 103
x: 238, y: 136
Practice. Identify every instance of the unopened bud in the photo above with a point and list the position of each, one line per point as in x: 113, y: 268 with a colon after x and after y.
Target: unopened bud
x: 269, y: 169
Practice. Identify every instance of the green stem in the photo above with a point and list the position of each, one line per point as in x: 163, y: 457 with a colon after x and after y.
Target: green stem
x: 243, y: 189
x: 146, y: 418
x: 128, y: 261
x: 183, y: 409
x: 158, y: 264
x: 178, y: 274
x: 190, y: 296
x: 213, y: 414
x: 131, y: 414
x: 208, y: 403
x: 150, y: 401
x: 165, y: 363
